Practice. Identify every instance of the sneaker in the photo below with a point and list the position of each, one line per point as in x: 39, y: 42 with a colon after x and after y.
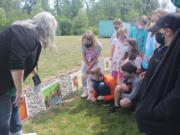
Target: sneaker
x: 84, y: 94
x: 16, y: 133
x: 113, y: 109
x: 106, y: 104
x: 89, y: 97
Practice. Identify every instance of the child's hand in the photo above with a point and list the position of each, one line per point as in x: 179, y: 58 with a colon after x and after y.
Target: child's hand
x: 110, y: 58
x: 149, y: 58
x: 88, y: 70
x: 93, y: 99
x: 100, y: 98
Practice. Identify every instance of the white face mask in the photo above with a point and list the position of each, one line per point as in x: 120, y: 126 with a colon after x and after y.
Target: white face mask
x: 140, y: 27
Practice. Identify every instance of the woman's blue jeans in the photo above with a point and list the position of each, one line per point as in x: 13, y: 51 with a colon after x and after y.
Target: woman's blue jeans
x: 9, y: 116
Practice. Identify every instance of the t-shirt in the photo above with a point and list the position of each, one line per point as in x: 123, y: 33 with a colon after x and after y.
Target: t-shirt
x: 96, y: 51
x: 136, y: 83
x: 140, y: 36
x: 19, y: 49
x: 149, y: 51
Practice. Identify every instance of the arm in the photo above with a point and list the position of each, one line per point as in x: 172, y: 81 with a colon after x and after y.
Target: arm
x: 112, y: 85
x: 135, y: 89
x: 18, y: 76
x: 84, y: 59
x: 34, y: 72
x: 145, y: 41
x: 93, y: 94
x: 112, y: 51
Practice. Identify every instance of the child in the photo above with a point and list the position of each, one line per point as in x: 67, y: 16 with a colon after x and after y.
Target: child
x: 127, y: 90
x: 133, y: 54
x: 117, y: 53
x: 117, y: 23
x: 140, y: 33
x: 103, y: 86
x: 91, y: 50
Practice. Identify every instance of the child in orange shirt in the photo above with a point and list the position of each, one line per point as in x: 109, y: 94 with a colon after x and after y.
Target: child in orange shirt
x: 103, y: 86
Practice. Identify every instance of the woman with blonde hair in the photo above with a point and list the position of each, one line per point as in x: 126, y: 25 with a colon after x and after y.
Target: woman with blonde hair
x: 91, y: 50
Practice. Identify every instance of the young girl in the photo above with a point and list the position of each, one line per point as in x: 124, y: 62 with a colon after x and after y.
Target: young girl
x: 91, y: 50
x: 133, y: 55
x: 117, y: 53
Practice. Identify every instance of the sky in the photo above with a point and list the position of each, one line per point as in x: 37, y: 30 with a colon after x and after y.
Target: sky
x: 170, y: 7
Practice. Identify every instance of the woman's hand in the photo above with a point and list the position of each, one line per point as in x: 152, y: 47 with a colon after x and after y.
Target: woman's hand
x: 19, y: 97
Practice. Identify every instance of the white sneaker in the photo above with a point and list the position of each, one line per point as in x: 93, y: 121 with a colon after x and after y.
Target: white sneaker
x: 85, y: 93
x: 17, y: 133
x: 89, y: 97
x: 89, y: 94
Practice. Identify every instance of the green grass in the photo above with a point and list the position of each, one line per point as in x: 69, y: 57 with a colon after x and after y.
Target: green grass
x: 80, y: 117
x: 76, y: 116
x: 66, y: 59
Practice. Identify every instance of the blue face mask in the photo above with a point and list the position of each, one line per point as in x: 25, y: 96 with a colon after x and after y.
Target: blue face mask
x: 125, y: 48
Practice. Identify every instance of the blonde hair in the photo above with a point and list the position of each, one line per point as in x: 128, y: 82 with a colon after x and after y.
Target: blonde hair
x: 89, y: 35
x: 117, y: 21
x: 97, y: 71
x: 160, y: 12
x: 123, y: 31
x: 144, y: 19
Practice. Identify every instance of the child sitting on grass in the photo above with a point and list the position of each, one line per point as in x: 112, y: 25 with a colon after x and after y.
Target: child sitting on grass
x: 103, y: 86
x: 127, y: 90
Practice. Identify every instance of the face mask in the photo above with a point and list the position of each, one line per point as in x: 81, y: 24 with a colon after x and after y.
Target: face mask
x: 116, y: 28
x: 140, y: 27
x: 121, y: 38
x: 88, y: 45
x: 125, y: 48
x: 160, y: 38
x: 126, y: 77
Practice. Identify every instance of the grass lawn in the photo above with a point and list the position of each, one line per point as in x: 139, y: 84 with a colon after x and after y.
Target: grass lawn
x: 80, y: 117
x: 76, y: 116
x: 66, y: 59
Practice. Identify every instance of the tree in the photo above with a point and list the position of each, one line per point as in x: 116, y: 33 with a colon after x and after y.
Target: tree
x: 80, y: 23
x: 2, y: 19
x: 37, y: 8
x: 29, y: 5
x: 45, y: 5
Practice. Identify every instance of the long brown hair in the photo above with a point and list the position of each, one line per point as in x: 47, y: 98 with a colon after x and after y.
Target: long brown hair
x: 134, y: 51
x: 89, y: 35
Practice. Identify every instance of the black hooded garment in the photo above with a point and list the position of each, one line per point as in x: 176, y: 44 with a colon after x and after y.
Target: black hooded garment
x: 159, y: 109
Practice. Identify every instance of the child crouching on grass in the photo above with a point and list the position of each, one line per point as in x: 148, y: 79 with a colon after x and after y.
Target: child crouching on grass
x: 91, y: 50
x: 103, y: 86
x: 128, y: 90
